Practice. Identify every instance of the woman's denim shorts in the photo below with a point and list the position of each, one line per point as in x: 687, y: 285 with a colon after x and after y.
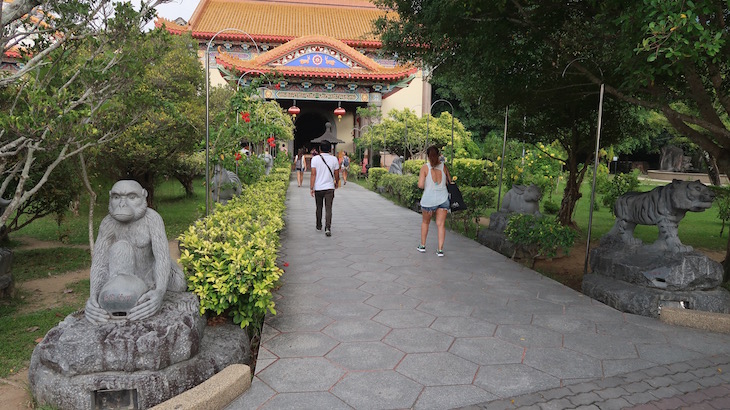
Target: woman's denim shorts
x: 445, y: 205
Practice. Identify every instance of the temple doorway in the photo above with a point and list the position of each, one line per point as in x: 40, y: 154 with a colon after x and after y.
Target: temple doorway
x: 309, y: 125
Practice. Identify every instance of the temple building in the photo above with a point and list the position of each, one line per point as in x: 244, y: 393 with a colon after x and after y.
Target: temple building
x: 323, y: 54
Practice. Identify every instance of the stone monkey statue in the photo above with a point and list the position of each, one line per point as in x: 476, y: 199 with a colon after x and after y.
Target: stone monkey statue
x: 131, y: 269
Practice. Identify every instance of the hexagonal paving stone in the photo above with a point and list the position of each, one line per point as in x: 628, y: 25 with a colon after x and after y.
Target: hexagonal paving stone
x: 404, y: 318
x: 301, y: 375
x: 665, y: 354
x: 366, y: 356
x: 383, y: 288
x: 392, y: 302
x: 344, y: 295
x: 254, y: 397
x: 563, y: 363
x: 529, y: 336
x: 308, y: 400
x: 300, y: 304
x: 356, y: 330
x: 534, y: 305
x: 564, y: 323
x: 513, y: 380
x: 301, y: 344
x: 451, y: 397
x: 487, y: 350
x: 437, y: 369
x: 292, y: 322
x: 418, y: 340
x: 376, y: 276
x: 342, y: 310
x: 377, y: 390
x: 337, y: 283
x: 446, y: 308
x: 463, y: 326
x: 600, y: 346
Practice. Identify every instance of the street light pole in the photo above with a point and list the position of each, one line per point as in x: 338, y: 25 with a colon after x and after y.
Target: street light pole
x: 207, y: 110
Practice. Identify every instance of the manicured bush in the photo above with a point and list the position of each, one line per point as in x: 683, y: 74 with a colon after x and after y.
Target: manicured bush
x: 374, y: 175
x: 538, y: 237
x: 404, y: 188
x: 619, y: 185
x: 230, y: 256
x: 478, y: 200
x: 413, y: 166
x: 474, y: 172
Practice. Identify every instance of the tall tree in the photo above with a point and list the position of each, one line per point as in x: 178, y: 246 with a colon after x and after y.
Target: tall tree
x: 172, y: 128
x: 665, y: 55
x: 491, y: 58
x: 78, y: 56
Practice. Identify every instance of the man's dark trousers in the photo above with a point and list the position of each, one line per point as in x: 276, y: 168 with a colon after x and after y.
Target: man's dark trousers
x: 325, y: 196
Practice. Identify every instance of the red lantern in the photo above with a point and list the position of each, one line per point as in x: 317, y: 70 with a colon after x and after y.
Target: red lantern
x: 294, y: 110
x: 339, y: 112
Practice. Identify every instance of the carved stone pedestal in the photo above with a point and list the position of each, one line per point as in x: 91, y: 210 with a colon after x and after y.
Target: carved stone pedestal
x: 638, y: 280
x: 139, y: 364
x: 493, y: 237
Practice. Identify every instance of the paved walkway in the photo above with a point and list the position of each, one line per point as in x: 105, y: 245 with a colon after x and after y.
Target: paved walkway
x: 365, y: 321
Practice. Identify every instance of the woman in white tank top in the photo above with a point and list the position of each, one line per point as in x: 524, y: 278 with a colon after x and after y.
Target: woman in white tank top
x: 433, y: 178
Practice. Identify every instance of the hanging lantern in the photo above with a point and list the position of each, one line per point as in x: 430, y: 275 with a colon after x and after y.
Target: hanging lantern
x: 339, y: 112
x: 294, y: 110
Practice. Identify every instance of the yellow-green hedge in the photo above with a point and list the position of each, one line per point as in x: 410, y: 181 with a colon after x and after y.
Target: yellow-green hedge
x: 229, y: 257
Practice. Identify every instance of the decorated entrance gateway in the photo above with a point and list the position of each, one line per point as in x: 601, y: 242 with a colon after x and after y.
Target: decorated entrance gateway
x: 323, y: 54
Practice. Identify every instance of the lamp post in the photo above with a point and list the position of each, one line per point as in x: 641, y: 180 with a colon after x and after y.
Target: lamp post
x: 595, y: 162
x: 452, y: 125
x: 207, y: 110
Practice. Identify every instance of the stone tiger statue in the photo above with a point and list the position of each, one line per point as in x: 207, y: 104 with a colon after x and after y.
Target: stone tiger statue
x: 663, y: 206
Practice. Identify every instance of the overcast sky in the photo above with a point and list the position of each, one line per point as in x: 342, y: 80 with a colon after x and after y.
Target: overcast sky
x: 177, y: 8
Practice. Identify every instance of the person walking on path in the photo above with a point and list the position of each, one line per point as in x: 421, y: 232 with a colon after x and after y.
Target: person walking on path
x: 300, y: 165
x: 345, y: 167
x: 322, y: 184
x: 435, y: 199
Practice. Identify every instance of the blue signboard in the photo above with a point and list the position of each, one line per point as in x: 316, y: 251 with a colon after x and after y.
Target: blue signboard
x: 316, y: 60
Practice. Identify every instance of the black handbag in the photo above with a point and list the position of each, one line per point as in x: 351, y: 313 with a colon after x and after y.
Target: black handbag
x: 456, y: 200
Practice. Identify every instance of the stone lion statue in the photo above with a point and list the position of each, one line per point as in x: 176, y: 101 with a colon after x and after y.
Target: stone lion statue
x: 663, y: 206
x: 523, y: 200
x: 396, y: 167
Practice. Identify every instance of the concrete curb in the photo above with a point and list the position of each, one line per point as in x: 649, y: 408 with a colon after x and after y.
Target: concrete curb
x: 213, y: 394
x: 710, y: 321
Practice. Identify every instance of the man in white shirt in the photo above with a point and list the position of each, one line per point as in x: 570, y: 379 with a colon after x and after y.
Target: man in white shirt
x: 322, y: 184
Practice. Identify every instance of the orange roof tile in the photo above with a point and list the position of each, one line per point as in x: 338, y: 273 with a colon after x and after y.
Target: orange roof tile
x: 346, y: 20
x: 361, y: 67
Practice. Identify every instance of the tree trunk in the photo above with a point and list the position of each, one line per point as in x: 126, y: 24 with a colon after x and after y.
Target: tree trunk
x: 571, y: 193
x: 712, y: 171
x: 188, y: 183
x: 147, y: 180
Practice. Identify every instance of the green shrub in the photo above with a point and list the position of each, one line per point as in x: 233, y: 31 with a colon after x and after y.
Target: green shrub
x: 229, y: 257
x: 413, y: 166
x: 538, y: 237
x: 374, y: 175
x: 404, y: 188
x: 474, y: 172
x: 550, y: 207
x: 620, y: 184
x: 478, y: 200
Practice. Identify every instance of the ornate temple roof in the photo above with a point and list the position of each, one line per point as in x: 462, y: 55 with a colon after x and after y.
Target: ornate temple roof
x: 349, y: 21
x: 317, y: 57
